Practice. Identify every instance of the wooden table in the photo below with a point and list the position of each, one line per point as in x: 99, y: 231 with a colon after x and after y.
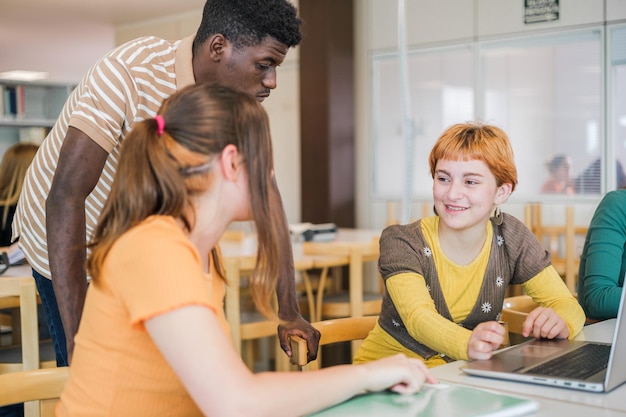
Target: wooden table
x: 15, y: 271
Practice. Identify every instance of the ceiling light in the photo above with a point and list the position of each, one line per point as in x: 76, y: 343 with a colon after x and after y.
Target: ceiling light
x: 21, y: 75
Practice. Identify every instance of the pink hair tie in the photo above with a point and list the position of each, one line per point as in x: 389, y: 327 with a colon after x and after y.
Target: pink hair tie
x: 160, y: 124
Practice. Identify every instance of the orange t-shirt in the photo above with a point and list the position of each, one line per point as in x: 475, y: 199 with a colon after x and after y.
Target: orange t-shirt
x: 116, y: 369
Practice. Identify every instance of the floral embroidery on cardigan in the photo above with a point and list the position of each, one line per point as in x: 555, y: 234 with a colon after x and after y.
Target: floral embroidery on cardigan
x: 514, y: 259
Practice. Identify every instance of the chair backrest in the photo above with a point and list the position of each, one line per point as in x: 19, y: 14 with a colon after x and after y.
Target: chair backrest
x: 332, y: 331
x: 392, y: 215
x: 515, y: 310
x: 41, y: 388
x: 559, y: 240
x: 231, y: 235
x: 24, y: 290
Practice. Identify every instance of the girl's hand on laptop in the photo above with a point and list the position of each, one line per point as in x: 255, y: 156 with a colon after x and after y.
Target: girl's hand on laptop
x: 543, y: 322
x: 485, y: 338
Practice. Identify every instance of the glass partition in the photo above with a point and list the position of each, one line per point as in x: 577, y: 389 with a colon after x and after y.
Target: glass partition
x: 617, y: 102
x: 546, y: 91
x: 441, y: 92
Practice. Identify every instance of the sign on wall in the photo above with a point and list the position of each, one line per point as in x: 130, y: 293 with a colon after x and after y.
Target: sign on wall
x: 540, y: 11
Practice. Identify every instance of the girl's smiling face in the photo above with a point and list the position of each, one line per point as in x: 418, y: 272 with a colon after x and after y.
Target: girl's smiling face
x: 465, y: 193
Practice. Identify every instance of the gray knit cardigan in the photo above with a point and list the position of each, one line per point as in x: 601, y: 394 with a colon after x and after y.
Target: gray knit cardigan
x: 516, y: 256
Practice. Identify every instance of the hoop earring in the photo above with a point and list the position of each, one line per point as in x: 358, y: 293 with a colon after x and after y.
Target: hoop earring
x: 497, y: 217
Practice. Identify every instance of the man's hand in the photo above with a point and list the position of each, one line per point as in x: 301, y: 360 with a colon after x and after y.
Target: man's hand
x: 302, y: 328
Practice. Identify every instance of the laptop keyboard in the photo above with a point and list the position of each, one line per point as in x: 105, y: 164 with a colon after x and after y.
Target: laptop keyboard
x: 580, y: 363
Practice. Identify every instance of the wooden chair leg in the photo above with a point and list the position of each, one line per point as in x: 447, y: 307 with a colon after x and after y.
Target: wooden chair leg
x: 247, y: 354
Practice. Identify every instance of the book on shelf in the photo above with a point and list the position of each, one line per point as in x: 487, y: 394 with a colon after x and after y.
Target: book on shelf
x: 10, y: 101
x: 19, y: 101
x: 14, y: 101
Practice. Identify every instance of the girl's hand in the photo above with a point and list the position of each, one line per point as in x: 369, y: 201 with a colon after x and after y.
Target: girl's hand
x: 485, y: 338
x: 398, y: 373
x: 543, y: 322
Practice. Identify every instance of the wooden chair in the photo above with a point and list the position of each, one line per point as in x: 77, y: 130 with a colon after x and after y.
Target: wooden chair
x: 23, y: 292
x: 315, y: 286
x: 246, y: 325
x: 332, y: 331
x: 559, y: 240
x: 515, y: 310
x: 39, y: 389
x: 393, y: 218
x: 338, y: 305
x: 232, y: 235
x: 355, y: 301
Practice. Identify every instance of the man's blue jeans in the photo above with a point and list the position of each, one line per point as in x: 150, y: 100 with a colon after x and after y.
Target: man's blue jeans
x: 55, y: 326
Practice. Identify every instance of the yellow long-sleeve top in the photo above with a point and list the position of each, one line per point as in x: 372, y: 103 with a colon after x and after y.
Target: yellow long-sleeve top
x: 461, y: 286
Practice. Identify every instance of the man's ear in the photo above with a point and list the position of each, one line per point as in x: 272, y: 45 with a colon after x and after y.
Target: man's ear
x: 218, y: 46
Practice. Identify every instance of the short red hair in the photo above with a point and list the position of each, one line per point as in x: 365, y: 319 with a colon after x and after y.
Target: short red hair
x: 474, y: 141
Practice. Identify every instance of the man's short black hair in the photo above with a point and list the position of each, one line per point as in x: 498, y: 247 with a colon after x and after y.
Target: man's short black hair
x: 248, y: 22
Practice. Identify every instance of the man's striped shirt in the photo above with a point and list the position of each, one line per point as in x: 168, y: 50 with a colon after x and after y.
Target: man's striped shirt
x: 127, y: 85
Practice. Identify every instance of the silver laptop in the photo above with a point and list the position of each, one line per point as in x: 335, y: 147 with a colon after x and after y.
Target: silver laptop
x: 561, y: 363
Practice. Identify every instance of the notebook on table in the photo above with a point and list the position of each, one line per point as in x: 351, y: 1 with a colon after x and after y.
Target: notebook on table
x: 582, y: 365
x: 433, y: 400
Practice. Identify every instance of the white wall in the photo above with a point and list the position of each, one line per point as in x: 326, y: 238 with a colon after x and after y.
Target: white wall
x: 170, y: 27
x: 65, y: 49
x: 497, y: 17
x: 453, y: 20
x: 615, y: 10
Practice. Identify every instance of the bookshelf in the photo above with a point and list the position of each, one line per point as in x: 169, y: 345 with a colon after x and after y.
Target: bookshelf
x: 29, y: 110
